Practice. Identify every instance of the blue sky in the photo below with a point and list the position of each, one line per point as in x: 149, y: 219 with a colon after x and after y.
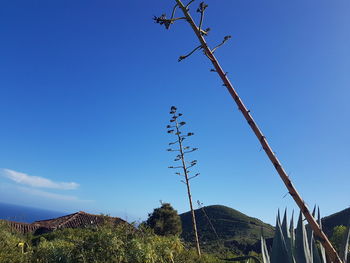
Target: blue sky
x: 86, y: 88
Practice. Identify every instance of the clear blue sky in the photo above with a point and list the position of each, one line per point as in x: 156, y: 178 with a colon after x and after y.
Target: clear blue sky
x: 86, y: 87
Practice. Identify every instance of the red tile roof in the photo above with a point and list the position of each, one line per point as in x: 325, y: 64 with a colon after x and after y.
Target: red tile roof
x: 76, y: 220
x: 22, y: 227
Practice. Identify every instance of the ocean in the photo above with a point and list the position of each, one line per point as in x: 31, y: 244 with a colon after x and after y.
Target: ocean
x: 26, y: 214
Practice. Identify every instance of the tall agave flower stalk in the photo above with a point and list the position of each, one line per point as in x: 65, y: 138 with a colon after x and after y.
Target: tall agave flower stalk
x: 182, y: 150
x: 209, y: 53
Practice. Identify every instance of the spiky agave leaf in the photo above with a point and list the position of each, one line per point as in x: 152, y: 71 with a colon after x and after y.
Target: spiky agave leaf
x: 310, y: 236
x: 302, y: 251
x: 316, y: 257
x: 286, y: 235
x: 344, y: 248
x: 321, y: 248
x: 308, y: 228
x: 319, y: 217
x: 291, y: 230
x: 264, y: 251
x: 279, y: 248
x: 284, y: 225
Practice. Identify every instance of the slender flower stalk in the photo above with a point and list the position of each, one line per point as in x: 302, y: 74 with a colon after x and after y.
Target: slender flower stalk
x: 183, y: 150
x: 200, y: 33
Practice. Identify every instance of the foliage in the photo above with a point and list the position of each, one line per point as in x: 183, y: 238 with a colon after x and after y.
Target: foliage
x: 102, y: 244
x: 297, y: 246
x: 338, y: 236
x: 125, y: 244
x: 165, y: 221
x: 340, y: 240
x: 54, y: 251
x: 291, y: 245
x: 13, y: 247
x: 191, y: 256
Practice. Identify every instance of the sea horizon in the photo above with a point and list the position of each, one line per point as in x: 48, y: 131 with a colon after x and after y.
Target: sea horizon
x: 26, y: 214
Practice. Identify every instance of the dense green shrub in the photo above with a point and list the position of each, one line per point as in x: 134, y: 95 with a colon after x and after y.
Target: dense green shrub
x: 340, y: 239
x: 53, y: 251
x: 191, y: 256
x: 103, y: 244
x: 165, y: 221
x: 99, y: 244
x: 13, y: 247
x: 338, y: 235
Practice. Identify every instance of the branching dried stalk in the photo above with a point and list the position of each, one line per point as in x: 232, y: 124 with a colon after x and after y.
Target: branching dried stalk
x: 182, y: 150
x: 330, y: 251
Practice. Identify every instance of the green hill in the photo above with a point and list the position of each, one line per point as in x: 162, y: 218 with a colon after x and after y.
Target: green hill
x: 336, y: 219
x: 239, y: 232
x: 235, y: 230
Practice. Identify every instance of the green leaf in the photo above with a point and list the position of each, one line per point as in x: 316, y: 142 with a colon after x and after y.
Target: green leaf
x: 291, y: 230
x: 321, y: 248
x: 264, y: 251
x: 316, y: 257
x: 287, y: 236
x: 279, y: 248
x: 344, y: 248
x: 302, y: 251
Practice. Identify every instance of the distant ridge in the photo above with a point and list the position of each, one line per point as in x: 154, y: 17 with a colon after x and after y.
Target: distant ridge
x: 235, y: 230
x: 336, y: 219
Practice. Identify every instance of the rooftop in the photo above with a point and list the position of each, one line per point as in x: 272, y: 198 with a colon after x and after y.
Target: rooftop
x: 75, y: 220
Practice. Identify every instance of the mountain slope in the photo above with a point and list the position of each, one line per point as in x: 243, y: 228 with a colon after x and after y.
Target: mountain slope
x: 235, y: 230
x: 336, y: 219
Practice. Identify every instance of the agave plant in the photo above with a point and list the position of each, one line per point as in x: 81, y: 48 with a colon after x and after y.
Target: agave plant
x: 297, y: 245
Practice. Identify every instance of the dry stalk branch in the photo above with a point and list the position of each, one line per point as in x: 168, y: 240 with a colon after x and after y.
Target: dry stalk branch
x: 175, y: 129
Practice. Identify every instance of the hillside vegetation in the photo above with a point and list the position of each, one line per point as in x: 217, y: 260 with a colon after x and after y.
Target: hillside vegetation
x: 336, y: 219
x: 236, y: 231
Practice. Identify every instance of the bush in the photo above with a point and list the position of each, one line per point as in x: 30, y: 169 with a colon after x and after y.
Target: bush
x: 99, y: 244
x: 338, y: 236
x: 53, y: 251
x: 165, y: 221
x: 103, y: 244
x: 13, y: 247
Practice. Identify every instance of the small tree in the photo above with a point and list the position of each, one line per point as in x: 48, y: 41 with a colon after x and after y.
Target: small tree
x: 182, y: 150
x: 165, y: 221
